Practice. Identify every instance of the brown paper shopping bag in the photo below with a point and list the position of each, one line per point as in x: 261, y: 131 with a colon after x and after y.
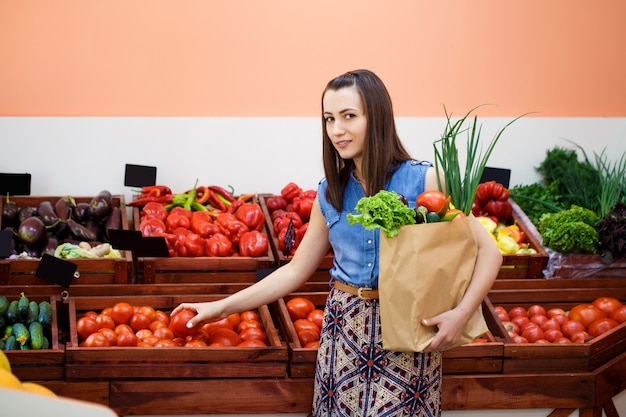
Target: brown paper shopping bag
x: 424, y: 271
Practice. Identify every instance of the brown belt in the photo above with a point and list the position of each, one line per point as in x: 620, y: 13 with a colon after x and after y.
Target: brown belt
x: 361, y: 292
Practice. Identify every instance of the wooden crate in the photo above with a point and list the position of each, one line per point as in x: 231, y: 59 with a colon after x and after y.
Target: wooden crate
x: 44, y: 364
x: 175, y: 362
x: 92, y: 271
x: 196, y: 269
x: 281, y: 257
x: 523, y: 266
x: 470, y: 358
x: 554, y: 358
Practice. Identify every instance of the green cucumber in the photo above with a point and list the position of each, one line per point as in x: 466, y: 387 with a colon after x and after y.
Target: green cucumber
x: 45, y: 313
x: 11, y: 344
x: 46, y: 343
x: 33, y: 312
x: 36, y: 335
x: 2, y: 344
x: 22, y: 307
x: 7, y: 332
x: 21, y: 333
x: 11, y: 313
x: 4, y: 304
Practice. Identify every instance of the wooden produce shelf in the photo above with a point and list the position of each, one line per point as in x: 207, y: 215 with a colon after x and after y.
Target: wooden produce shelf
x: 92, y: 271
x: 211, y: 396
x: 524, y: 266
x: 470, y: 358
x: 42, y: 364
x: 558, y: 358
x: 174, y: 362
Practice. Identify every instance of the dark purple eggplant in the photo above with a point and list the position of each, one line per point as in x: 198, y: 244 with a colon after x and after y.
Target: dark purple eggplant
x: 9, y: 211
x: 80, y: 232
x: 31, y: 231
x: 79, y: 212
x: 50, y: 245
x: 100, y: 206
x: 114, y: 221
x: 64, y: 206
x: 45, y: 211
x: 26, y: 212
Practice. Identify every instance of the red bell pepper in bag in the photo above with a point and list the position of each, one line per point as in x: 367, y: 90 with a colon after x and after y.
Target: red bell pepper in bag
x: 253, y: 243
x: 218, y: 245
x: 252, y: 215
x: 191, y: 245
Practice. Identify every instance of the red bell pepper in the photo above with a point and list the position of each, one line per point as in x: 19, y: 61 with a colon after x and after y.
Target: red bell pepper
x: 151, y: 227
x: 181, y: 232
x: 175, y: 221
x: 218, y: 245
x: 182, y: 211
x: 276, y: 202
x: 231, y: 227
x: 501, y: 209
x: 276, y: 214
x: 309, y: 194
x: 171, y: 240
x: 491, y: 190
x: 201, y: 216
x: 205, y: 229
x: 154, y: 209
x: 251, y: 214
x: 283, y: 221
x: 291, y: 191
x: 303, y: 206
x: 191, y: 245
x: 253, y: 243
x: 294, y: 244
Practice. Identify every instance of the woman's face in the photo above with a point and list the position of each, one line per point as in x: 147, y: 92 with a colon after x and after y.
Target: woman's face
x: 346, y: 122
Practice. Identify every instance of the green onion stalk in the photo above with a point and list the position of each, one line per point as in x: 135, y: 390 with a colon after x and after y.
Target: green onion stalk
x: 461, y: 180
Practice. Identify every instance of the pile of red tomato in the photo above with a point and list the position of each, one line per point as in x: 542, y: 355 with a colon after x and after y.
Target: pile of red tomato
x: 307, y: 320
x: 127, y: 325
x: 536, y: 324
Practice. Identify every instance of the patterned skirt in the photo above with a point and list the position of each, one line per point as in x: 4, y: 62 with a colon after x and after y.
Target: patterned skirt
x: 356, y: 377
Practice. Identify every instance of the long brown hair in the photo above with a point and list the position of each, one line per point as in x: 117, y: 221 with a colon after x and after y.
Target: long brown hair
x: 383, y: 151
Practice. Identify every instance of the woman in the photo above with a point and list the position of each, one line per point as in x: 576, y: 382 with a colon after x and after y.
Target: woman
x: 362, y: 154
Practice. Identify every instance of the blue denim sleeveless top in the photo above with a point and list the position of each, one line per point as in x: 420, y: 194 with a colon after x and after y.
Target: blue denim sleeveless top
x: 355, y: 248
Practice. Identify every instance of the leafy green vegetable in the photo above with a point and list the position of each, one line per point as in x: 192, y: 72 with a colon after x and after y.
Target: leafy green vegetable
x: 578, y: 182
x: 535, y: 199
x: 383, y: 210
x: 570, y: 231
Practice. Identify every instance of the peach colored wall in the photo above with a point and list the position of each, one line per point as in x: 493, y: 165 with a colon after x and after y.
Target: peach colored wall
x: 273, y: 58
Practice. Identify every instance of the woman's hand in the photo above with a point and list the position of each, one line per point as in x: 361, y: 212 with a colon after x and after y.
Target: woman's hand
x: 205, y: 312
x: 449, y: 326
